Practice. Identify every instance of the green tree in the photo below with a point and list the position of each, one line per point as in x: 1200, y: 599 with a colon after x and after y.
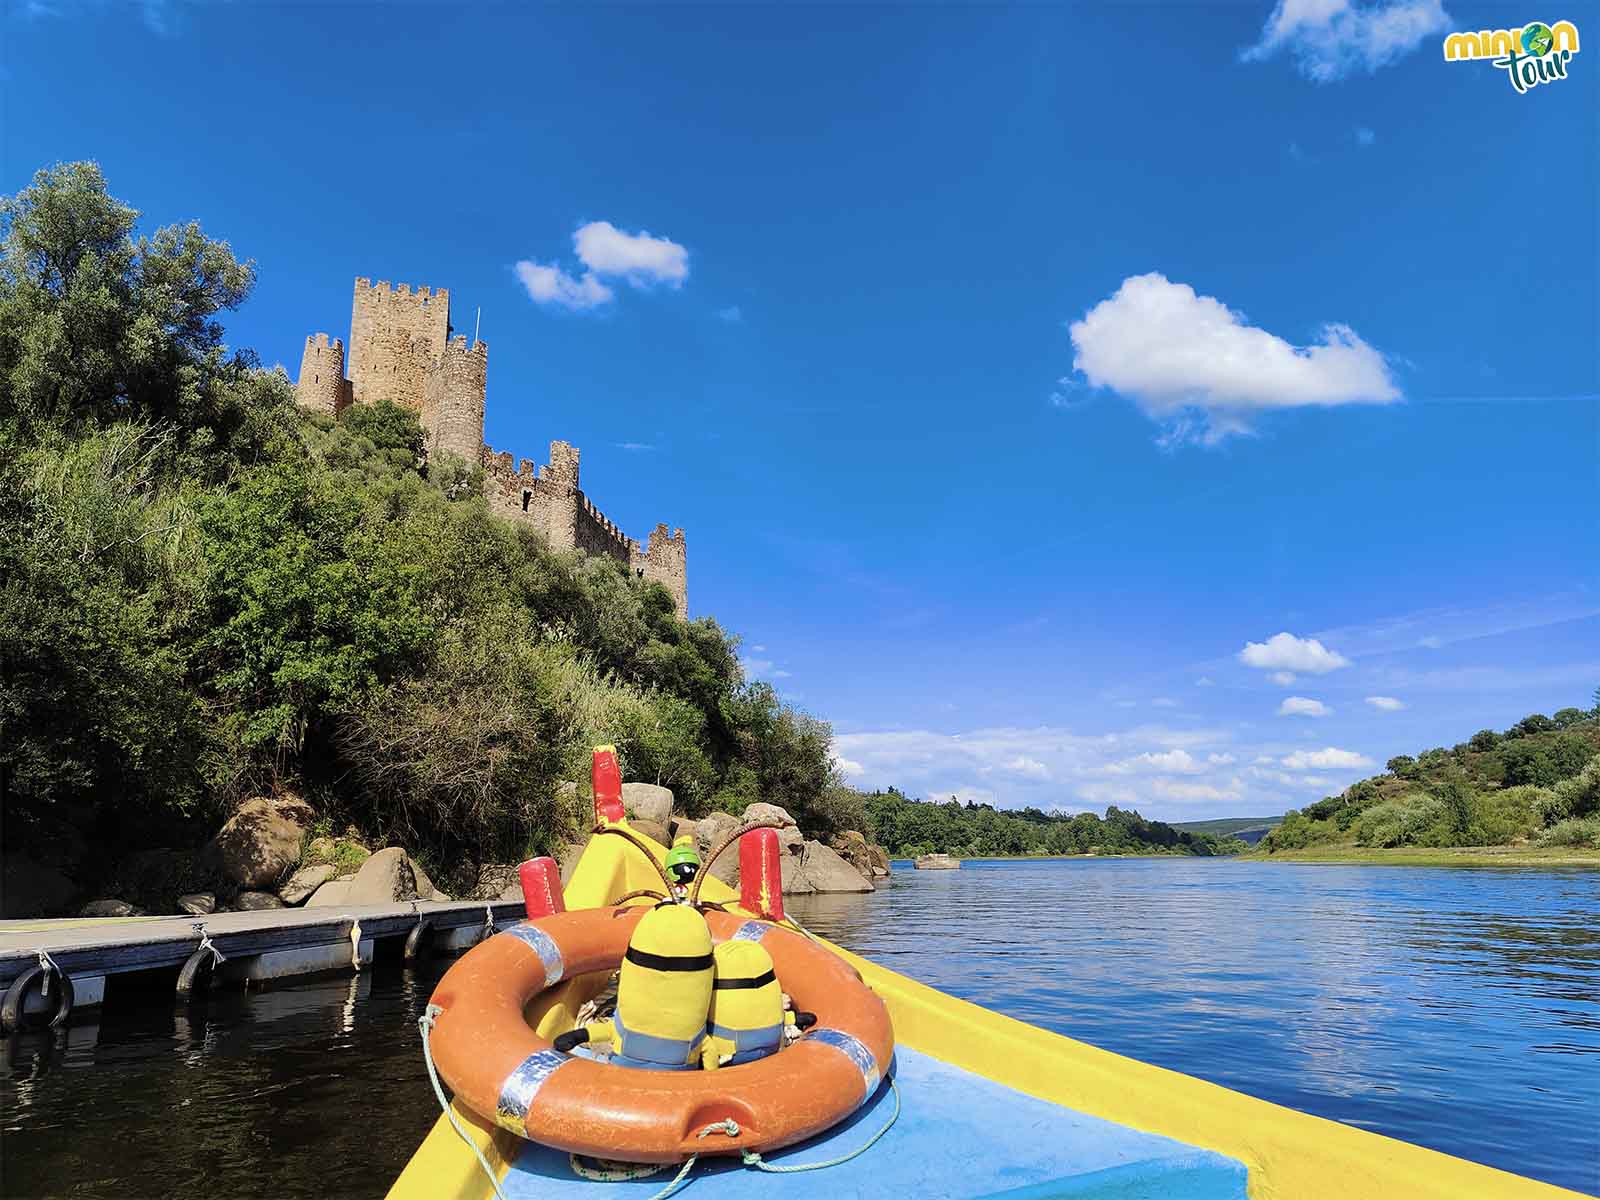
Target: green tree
x: 1566, y: 718
x: 1484, y: 739
x: 97, y: 327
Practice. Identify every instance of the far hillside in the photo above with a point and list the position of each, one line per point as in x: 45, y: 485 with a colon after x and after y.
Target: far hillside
x: 1536, y: 783
x: 1247, y: 829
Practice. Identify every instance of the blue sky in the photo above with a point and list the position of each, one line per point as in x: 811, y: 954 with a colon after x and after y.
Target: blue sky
x: 1013, y: 372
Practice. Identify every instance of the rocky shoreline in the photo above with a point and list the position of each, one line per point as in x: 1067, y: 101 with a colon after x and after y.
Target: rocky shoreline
x: 267, y: 856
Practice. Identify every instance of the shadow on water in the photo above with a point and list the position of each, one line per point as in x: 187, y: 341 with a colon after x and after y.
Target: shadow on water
x: 314, y: 1089
x: 1456, y: 1009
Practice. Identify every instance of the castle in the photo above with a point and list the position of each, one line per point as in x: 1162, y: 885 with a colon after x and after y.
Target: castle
x: 401, y: 350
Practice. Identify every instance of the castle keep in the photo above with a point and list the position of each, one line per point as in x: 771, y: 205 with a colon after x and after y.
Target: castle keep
x: 401, y: 350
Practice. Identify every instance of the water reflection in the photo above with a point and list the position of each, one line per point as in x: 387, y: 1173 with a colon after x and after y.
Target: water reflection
x: 1456, y: 1009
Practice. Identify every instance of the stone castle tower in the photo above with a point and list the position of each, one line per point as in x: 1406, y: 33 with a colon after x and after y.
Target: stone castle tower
x: 401, y: 350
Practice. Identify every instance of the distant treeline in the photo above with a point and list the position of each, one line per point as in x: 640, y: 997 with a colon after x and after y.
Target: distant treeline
x: 907, y: 827
x: 1539, y: 781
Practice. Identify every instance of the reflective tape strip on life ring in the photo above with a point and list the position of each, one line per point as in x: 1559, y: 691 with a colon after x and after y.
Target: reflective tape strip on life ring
x: 506, y: 1073
x: 11, y: 1009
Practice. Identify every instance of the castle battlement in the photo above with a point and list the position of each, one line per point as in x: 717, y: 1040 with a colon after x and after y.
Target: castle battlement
x: 402, y: 350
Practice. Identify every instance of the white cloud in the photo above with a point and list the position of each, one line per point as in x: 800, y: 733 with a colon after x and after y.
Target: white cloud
x: 552, y: 285
x: 1303, y: 706
x: 1163, y: 702
x: 1365, y: 136
x: 1330, y: 39
x: 1189, y: 361
x: 849, y: 767
x: 1205, y: 681
x: 637, y: 257
x: 1430, y: 643
x: 1174, y: 789
x: 1162, y: 762
x: 1282, y: 678
x: 1325, y: 759
x: 1386, y: 703
x: 732, y: 314
x: 1031, y: 767
x: 1283, y: 652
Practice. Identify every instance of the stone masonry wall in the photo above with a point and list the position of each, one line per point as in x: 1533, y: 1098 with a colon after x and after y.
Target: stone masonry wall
x: 665, y: 559
x: 323, y: 387
x: 400, y: 351
x: 396, y: 335
x: 453, y: 400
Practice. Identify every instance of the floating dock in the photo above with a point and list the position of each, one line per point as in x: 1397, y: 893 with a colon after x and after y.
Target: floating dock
x: 250, y: 948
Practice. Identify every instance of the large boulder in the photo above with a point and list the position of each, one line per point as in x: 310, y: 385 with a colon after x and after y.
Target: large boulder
x: 822, y: 870
x: 654, y: 830
x: 331, y: 893
x: 385, y: 878
x: 496, y: 881
x: 880, y: 859
x: 261, y: 841
x: 198, y: 904
x: 647, y: 802
x: 426, y: 889
x: 255, y: 902
x: 110, y: 908
x: 305, y: 881
x: 853, y: 848
x: 790, y: 839
x: 31, y: 889
x: 708, y: 831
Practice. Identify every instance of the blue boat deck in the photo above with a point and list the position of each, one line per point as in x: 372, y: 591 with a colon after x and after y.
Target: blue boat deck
x: 958, y: 1135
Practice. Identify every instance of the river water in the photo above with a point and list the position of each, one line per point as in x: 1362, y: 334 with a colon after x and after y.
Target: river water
x: 1456, y: 1008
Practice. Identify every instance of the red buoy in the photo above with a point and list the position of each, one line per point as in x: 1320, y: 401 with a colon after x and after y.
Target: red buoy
x: 607, y: 777
x: 541, y: 888
x: 761, y: 874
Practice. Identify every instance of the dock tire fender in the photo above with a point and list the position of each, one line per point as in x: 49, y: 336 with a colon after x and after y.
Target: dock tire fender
x: 419, y: 939
x: 201, y: 965
x: 11, y: 1010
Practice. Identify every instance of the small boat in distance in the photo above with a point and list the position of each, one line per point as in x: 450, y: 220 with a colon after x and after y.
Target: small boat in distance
x: 937, y: 862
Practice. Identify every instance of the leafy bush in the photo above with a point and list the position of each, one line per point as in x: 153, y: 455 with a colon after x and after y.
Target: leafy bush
x: 1575, y: 831
x: 1408, y: 821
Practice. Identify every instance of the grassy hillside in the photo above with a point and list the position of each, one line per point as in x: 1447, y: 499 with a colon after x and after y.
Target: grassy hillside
x: 1537, y: 783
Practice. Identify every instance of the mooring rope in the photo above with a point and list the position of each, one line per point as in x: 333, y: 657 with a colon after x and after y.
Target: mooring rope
x: 425, y: 1026
x: 217, y: 956
x: 47, y: 965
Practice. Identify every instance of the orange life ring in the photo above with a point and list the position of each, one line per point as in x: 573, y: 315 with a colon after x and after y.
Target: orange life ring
x: 502, y: 1070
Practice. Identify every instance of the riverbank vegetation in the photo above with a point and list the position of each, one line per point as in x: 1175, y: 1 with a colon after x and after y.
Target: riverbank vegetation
x: 1536, y: 784
x: 907, y: 828
x: 206, y: 594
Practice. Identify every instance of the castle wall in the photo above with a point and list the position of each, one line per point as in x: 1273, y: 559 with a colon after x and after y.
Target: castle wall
x: 665, y: 559
x: 453, y: 400
x: 396, y: 335
x: 322, y: 386
x: 400, y: 351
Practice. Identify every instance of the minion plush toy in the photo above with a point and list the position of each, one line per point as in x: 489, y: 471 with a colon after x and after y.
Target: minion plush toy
x: 683, y: 864
x: 748, y: 1018
x: 662, y: 997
